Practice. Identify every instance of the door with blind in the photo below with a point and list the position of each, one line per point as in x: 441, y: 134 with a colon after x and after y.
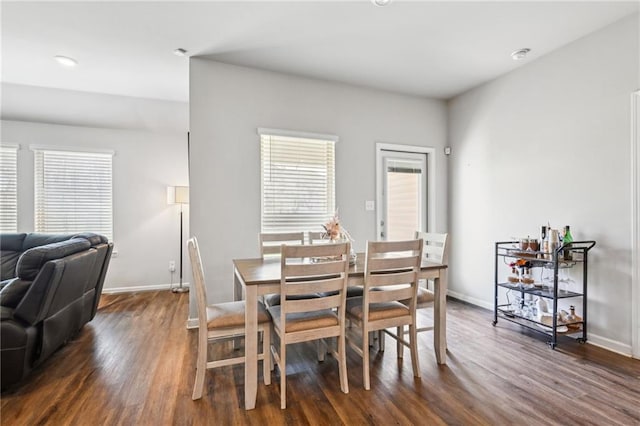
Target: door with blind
x: 403, y: 196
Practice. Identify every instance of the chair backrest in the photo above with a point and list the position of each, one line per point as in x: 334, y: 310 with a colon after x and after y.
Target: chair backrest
x: 199, y: 283
x: 271, y: 242
x: 317, y: 237
x: 435, y: 246
x: 308, y: 269
x: 392, y: 266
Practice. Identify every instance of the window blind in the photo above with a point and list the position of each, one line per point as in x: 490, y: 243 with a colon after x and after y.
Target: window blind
x: 403, y: 205
x: 8, y: 188
x: 298, y: 182
x: 73, y: 192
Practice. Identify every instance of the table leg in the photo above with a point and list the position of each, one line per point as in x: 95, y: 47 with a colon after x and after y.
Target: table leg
x: 237, y: 295
x: 440, y: 318
x: 251, y: 348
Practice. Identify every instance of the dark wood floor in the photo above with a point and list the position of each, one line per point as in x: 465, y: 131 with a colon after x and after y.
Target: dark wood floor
x: 134, y: 365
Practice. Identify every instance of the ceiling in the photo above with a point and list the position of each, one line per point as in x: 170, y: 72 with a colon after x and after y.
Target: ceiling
x: 432, y: 49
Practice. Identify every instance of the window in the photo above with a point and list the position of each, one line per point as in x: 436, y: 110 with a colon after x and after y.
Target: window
x: 73, y: 192
x: 298, y: 180
x: 8, y: 188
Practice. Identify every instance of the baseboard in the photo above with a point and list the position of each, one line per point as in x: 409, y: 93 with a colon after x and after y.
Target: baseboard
x: 470, y: 300
x: 610, y: 345
x: 133, y: 289
x: 601, y: 342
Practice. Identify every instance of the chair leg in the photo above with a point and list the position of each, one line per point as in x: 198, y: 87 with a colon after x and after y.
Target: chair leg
x: 272, y: 363
x: 321, y: 349
x: 283, y: 374
x: 365, y: 360
x: 413, y: 344
x: 400, y: 346
x: 342, y: 364
x: 201, y: 365
x: 266, y: 354
x: 381, y: 340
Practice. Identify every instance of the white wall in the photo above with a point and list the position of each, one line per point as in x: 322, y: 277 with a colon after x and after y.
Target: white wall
x: 550, y: 142
x: 227, y: 105
x: 150, y: 154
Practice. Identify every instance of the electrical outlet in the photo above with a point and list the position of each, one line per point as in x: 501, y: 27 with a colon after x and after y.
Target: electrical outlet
x: 172, y: 266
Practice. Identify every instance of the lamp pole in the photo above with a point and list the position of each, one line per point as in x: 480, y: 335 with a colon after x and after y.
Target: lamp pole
x: 180, y: 289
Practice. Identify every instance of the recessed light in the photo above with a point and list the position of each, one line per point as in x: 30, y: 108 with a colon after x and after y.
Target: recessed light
x: 520, y: 54
x: 180, y: 52
x: 66, y: 61
x: 381, y: 2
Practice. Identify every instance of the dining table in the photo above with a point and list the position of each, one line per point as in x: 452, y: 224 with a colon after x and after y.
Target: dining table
x: 260, y: 276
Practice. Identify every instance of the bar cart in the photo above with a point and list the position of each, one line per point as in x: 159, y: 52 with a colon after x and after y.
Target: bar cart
x: 554, y: 321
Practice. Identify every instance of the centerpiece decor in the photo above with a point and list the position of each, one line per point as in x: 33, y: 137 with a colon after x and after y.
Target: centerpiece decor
x: 336, y: 233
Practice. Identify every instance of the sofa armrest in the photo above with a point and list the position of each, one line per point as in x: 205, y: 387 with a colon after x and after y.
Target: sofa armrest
x: 30, y: 307
x: 12, y: 291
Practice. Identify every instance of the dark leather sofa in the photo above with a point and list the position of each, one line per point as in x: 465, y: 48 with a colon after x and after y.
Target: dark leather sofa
x: 50, y: 287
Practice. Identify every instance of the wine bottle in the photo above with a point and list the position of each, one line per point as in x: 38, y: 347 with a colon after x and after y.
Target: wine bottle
x: 567, y: 239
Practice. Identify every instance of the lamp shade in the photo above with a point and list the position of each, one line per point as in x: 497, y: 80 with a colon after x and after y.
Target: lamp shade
x: 177, y: 195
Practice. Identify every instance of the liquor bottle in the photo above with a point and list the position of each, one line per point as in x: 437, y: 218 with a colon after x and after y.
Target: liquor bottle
x: 554, y: 242
x: 573, y: 319
x: 567, y: 239
x: 544, y: 243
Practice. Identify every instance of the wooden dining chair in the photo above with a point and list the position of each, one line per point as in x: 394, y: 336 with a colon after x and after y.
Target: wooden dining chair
x: 434, y: 249
x: 317, y: 237
x: 390, y: 278
x: 270, y: 245
x: 323, y: 317
x: 271, y: 242
x: 222, y: 320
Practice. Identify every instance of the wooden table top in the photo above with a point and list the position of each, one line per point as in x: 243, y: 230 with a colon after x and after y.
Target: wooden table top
x: 267, y: 271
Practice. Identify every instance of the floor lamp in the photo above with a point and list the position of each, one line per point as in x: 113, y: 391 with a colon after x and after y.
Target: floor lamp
x: 179, y: 195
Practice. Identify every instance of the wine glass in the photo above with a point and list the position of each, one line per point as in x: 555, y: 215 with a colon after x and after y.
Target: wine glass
x: 547, y: 279
x: 517, y: 303
x: 533, y: 308
x: 564, y: 279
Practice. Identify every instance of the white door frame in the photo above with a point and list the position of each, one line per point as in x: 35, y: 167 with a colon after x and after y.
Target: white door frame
x: 635, y: 224
x: 431, y: 181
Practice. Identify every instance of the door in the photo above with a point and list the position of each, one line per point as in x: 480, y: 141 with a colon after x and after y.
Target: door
x: 402, y: 198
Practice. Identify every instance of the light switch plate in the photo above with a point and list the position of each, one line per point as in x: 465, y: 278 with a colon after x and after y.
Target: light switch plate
x: 369, y: 206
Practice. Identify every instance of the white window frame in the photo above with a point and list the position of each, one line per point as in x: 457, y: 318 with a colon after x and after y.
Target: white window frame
x: 9, y: 187
x: 317, y: 218
x: 62, y: 218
